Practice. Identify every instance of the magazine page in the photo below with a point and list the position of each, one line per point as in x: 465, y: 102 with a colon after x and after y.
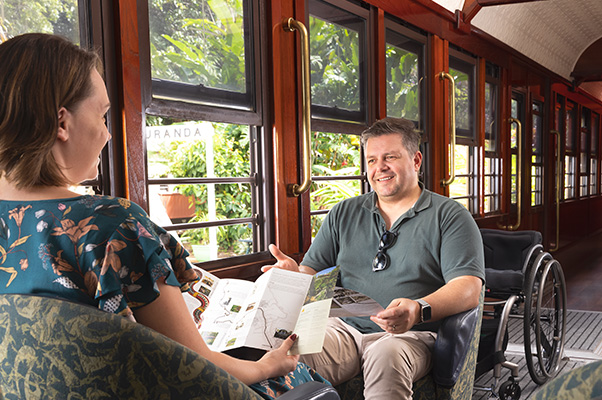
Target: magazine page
x: 313, y: 318
x: 226, y: 299
x: 272, y: 309
x: 197, y: 299
x: 349, y: 303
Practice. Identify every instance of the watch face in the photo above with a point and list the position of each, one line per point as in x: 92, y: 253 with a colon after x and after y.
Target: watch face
x: 425, y: 310
x: 426, y: 313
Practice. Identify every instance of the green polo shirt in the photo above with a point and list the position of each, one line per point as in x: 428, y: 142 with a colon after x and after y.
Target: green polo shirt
x: 437, y: 241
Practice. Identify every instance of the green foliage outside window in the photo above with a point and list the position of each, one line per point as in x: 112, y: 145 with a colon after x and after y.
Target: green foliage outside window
x: 402, y: 83
x: 47, y: 16
x: 333, y: 155
x: 187, y: 159
x: 199, y: 42
x: 334, y: 65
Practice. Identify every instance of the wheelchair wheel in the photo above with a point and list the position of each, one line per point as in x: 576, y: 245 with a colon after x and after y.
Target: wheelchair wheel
x: 544, y: 318
x: 509, y: 390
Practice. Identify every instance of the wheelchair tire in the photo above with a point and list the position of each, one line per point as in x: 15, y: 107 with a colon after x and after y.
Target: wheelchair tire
x: 509, y: 390
x: 544, y: 318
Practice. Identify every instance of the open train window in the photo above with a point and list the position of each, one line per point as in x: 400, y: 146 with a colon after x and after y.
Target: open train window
x: 336, y: 173
x: 202, y: 52
x: 465, y: 187
x: 405, y: 72
x: 570, y: 157
x: 205, y: 141
x: 61, y: 18
x: 338, y: 51
x: 537, y: 166
x: 584, y: 151
x: 492, y: 165
x: 340, y: 103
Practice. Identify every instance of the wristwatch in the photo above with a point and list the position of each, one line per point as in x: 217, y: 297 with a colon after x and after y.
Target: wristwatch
x: 425, y: 311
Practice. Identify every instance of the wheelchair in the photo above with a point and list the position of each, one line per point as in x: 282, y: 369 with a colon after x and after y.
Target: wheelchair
x: 522, y: 281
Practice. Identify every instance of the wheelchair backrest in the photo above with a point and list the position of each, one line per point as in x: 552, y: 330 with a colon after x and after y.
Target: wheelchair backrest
x: 509, y: 250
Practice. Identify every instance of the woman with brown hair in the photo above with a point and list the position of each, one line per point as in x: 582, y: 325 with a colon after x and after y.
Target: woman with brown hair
x: 96, y: 250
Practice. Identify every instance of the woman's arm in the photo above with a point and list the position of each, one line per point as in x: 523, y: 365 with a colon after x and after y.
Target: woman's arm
x: 169, y: 315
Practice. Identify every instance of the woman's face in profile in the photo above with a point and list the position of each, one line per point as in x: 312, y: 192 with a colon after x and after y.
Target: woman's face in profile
x: 83, y: 134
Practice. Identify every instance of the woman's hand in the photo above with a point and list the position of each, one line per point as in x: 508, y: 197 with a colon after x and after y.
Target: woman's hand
x: 277, y: 362
x: 282, y: 261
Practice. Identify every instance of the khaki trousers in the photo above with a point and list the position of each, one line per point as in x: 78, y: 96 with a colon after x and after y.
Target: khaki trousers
x: 390, y: 363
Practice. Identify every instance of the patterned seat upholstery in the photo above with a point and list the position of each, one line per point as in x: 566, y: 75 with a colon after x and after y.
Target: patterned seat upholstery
x: 53, y: 349
x: 578, y: 384
x: 454, y: 360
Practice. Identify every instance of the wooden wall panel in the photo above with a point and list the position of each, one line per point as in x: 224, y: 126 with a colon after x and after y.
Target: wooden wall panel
x: 132, y: 112
x: 439, y: 113
x: 285, y: 57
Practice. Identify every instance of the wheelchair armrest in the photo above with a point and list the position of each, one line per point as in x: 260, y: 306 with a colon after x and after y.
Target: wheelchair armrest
x: 452, y: 345
x: 311, y: 391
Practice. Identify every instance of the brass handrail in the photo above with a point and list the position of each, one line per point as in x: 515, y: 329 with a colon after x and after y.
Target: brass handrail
x: 519, y: 173
x: 452, y: 128
x: 558, y: 167
x: 294, y: 25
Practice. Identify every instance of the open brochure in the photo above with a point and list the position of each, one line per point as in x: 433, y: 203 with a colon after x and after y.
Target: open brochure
x: 232, y: 313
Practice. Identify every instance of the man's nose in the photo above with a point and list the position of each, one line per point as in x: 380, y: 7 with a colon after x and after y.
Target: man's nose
x: 381, y: 165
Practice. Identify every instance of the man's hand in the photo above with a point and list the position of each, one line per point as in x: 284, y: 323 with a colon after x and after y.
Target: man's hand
x: 399, y: 316
x: 282, y: 261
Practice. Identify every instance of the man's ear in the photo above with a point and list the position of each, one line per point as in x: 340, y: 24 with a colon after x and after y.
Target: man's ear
x: 63, y: 132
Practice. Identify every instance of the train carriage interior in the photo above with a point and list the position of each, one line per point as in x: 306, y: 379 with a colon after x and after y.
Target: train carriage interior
x: 236, y: 124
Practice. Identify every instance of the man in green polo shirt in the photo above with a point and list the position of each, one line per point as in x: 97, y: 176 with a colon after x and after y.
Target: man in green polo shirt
x: 417, y: 253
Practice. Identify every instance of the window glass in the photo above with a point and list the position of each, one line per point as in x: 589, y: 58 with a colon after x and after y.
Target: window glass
x: 199, y: 42
x: 593, y: 171
x: 490, y: 117
x: 515, y: 112
x: 59, y: 17
x: 570, y: 126
x: 462, y: 94
x: 595, y: 133
x: 403, y: 76
x: 336, y: 173
x: 536, y: 155
x: 337, y: 40
x: 462, y: 68
x: 200, y: 185
x: 463, y: 189
x: 492, y: 179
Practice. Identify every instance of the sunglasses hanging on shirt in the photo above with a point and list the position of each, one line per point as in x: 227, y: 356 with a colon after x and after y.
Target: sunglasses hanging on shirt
x: 382, y: 260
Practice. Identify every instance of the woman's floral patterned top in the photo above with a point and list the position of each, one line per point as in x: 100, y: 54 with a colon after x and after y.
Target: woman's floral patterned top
x: 98, y: 250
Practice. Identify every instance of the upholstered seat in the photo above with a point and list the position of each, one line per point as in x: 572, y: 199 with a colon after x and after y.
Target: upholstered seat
x: 578, y: 384
x: 55, y: 349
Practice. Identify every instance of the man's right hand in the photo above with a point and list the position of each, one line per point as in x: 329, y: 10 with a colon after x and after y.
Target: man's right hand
x: 282, y: 261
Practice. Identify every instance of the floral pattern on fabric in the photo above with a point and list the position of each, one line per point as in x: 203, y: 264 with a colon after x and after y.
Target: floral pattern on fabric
x: 98, y: 250
x: 271, y: 388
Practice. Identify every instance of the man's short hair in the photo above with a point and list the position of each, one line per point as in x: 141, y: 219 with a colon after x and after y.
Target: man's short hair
x: 405, y: 128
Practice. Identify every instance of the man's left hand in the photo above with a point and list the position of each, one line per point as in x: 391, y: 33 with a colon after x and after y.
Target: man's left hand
x: 399, y: 316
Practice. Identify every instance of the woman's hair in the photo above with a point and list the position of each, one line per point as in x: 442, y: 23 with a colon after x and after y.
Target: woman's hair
x: 400, y: 126
x: 39, y: 74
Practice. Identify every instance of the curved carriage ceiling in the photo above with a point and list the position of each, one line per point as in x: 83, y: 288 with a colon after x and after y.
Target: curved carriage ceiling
x: 565, y: 36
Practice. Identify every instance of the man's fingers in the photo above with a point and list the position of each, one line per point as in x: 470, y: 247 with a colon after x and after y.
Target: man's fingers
x: 278, y: 255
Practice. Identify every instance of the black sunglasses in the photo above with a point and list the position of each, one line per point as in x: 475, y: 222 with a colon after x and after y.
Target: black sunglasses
x: 382, y: 259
